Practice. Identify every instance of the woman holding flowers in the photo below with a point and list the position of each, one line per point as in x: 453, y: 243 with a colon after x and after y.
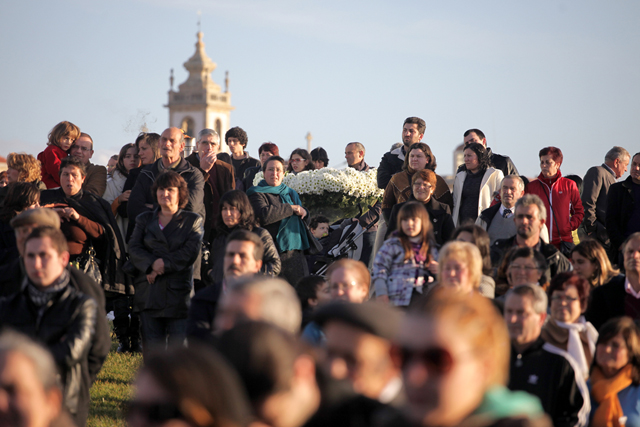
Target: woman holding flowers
x: 278, y: 209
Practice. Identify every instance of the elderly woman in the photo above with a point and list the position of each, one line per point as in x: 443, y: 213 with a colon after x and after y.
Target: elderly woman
x: 460, y: 267
x: 475, y: 184
x: 454, y: 354
x: 20, y: 197
x: 418, y: 157
x: 163, y: 247
x: 128, y: 160
x: 615, y: 375
x: 188, y: 387
x: 300, y: 160
x: 278, y: 209
x: 423, y: 185
x: 89, y: 226
x: 236, y: 213
x: 148, y: 153
x: 567, y: 328
x: 475, y: 235
x: 265, y: 151
x: 590, y: 261
x: 561, y: 198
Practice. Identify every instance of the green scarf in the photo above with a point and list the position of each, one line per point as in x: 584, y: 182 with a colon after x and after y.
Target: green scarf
x: 292, y: 234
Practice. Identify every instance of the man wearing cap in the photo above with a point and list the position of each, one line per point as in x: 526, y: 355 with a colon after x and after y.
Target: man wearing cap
x: 12, y: 277
x: 359, y: 350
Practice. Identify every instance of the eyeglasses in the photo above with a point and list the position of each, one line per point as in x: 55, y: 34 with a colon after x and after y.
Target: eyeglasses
x: 437, y: 360
x: 295, y: 160
x: 85, y: 149
x: 154, y: 412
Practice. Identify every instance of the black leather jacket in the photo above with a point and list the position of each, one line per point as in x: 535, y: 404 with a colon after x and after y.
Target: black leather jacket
x: 65, y: 326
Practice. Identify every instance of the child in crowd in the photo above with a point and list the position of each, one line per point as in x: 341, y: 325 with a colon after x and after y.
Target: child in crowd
x: 319, y: 226
x: 312, y: 291
x: 61, y: 138
x: 405, y: 264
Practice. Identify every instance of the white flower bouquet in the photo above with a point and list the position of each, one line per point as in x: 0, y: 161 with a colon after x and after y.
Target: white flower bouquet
x: 334, y: 193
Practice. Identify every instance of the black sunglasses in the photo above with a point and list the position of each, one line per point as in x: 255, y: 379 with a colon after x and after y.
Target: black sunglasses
x: 154, y: 412
x: 437, y: 360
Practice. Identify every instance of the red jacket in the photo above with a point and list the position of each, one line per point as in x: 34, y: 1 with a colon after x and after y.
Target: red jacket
x: 50, y: 160
x: 567, y: 206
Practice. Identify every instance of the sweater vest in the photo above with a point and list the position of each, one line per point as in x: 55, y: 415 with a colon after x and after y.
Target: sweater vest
x: 501, y: 228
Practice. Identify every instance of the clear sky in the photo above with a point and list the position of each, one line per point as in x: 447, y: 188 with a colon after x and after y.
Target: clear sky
x: 529, y: 74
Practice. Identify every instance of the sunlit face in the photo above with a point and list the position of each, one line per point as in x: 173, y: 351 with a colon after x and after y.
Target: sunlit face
x: 456, y: 275
x: 635, y: 169
x: 13, y: 175
x: 471, y: 160
x: 345, y: 286
x: 24, y: 400
x: 417, y: 159
x: 298, y: 163
x: 82, y: 149
x: 620, y: 166
x: 527, y: 221
x: 171, y: 144
x: 235, y: 146
x: 168, y: 198
x: 208, y: 143
x: 474, y: 138
x: 565, y: 305
x: 353, y: 155
x: 145, y: 152
x: 71, y: 180
x: 42, y: 262
x: 444, y: 378
x: 523, y: 322
x: 613, y: 355
x: 632, y: 257
x: 65, y: 142
x: 321, y: 231
x: 264, y: 156
x: 359, y: 357
x: 582, y: 266
x: 411, y: 226
x: 410, y: 134
x: 239, y: 259
x: 131, y: 159
x: 523, y: 271
x: 274, y: 173
x: 422, y: 190
x: 230, y: 215
x: 548, y: 166
x: 510, y: 192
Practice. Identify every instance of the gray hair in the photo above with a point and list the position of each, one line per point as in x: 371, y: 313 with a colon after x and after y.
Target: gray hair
x: 279, y: 303
x: 532, y: 199
x: 45, y: 367
x: 616, y: 153
x: 358, y: 146
x: 535, y: 292
x: 207, y: 132
x: 516, y: 178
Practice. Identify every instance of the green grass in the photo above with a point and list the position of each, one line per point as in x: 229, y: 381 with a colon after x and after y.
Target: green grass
x: 112, y: 388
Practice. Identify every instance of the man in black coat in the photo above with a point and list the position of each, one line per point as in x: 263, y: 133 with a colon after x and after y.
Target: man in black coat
x: 50, y: 310
x: 141, y: 200
x: 541, y: 369
x: 502, y: 163
x: 623, y: 213
x: 392, y: 161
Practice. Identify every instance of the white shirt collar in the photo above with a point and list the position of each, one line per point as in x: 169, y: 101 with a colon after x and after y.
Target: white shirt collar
x: 501, y: 211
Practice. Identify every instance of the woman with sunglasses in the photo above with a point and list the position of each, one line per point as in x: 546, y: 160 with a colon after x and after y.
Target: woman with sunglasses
x: 461, y: 381
x: 187, y: 387
x: 567, y: 328
x: 300, y: 160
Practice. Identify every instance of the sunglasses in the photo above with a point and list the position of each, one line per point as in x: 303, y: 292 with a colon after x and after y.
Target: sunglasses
x: 437, y: 360
x: 153, y: 412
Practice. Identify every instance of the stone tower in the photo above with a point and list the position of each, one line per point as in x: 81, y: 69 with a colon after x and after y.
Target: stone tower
x: 199, y: 102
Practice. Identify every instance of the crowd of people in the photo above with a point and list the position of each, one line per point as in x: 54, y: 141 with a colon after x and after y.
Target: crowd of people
x: 500, y: 301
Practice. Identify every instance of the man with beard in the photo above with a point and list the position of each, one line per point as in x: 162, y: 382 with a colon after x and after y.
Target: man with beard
x: 392, y: 161
x: 530, y: 216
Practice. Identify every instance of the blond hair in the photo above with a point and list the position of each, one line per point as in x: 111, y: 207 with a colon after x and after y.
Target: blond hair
x: 466, y: 253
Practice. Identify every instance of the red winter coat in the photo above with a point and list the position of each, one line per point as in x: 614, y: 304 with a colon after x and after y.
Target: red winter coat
x: 50, y: 159
x: 567, y: 206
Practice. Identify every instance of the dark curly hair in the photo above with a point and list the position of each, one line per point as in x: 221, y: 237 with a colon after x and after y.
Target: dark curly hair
x: 239, y: 133
x: 238, y: 199
x: 170, y: 179
x: 484, y: 160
